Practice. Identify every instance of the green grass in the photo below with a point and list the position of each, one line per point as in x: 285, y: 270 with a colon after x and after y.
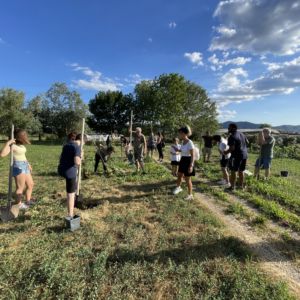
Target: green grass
x: 277, y: 198
x: 140, y: 242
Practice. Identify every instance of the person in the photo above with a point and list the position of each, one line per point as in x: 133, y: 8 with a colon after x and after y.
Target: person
x: 151, y: 144
x: 139, y: 149
x: 186, y: 164
x: 237, y: 143
x: 267, y: 143
x: 102, y: 154
x: 224, y: 160
x: 69, y: 162
x: 160, y: 144
x: 175, y: 156
x: 21, y: 167
x: 6, y: 148
x: 207, y: 150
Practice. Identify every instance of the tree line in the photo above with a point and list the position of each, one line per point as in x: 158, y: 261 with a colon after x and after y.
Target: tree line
x: 162, y: 104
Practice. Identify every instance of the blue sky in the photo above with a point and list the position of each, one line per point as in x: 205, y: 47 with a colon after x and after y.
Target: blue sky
x: 245, y: 53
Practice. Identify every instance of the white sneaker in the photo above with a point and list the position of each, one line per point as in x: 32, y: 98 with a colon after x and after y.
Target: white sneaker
x: 23, y: 206
x: 177, y: 190
x: 189, y: 198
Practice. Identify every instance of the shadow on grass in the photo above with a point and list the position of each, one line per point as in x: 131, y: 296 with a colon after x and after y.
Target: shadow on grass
x: 224, y: 247
x: 229, y: 247
x: 56, y: 229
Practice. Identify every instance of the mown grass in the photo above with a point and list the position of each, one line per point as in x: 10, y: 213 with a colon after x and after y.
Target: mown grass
x: 139, y: 242
x: 278, y: 198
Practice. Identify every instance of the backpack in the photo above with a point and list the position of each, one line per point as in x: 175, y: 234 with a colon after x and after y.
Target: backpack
x: 196, y: 153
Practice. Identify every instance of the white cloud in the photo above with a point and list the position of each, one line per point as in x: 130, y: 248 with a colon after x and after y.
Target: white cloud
x: 150, y: 40
x: 133, y: 79
x: 258, y: 26
x: 231, y: 79
x: 2, y: 41
x: 225, y: 115
x: 172, y: 25
x: 94, y: 80
x: 225, y: 31
x: 219, y: 63
x: 281, y: 78
x: 196, y: 58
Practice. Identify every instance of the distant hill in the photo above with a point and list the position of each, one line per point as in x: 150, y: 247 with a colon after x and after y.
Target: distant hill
x: 249, y: 125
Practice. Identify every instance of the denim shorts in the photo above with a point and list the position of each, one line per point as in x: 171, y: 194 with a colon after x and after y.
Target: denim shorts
x: 20, y: 167
x: 265, y: 163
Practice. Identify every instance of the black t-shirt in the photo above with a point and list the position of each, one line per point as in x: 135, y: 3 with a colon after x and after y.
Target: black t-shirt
x: 207, y: 141
x: 239, y: 141
x: 67, y: 167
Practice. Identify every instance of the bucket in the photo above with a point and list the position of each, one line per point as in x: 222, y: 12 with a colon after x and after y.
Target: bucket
x: 73, y: 223
x: 284, y: 173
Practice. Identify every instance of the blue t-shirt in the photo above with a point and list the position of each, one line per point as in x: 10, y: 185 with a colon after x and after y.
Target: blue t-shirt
x: 67, y: 167
x: 239, y: 141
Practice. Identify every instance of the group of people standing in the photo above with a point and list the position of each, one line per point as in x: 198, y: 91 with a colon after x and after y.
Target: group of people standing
x: 233, y: 160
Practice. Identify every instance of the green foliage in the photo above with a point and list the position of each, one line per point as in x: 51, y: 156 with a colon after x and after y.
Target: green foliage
x: 171, y: 101
x: 12, y: 111
x: 59, y: 110
x: 110, y: 111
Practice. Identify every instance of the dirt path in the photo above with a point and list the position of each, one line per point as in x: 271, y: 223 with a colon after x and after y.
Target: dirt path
x: 270, y: 260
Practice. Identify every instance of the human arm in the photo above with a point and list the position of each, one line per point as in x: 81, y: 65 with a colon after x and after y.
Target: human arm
x: 6, y: 149
x: 231, y: 145
x: 191, y: 166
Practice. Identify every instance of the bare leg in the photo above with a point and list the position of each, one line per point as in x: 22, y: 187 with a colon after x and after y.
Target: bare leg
x: 189, y: 183
x: 225, y: 174
x: 70, y: 204
x: 20, y: 186
x: 267, y: 172
x: 29, y: 185
x: 179, y: 179
x: 256, y: 172
x: 241, y: 179
x: 233, y: 179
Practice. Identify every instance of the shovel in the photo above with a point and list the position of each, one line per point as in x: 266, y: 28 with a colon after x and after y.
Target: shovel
x: 78, y: 196
x: 10, y: 212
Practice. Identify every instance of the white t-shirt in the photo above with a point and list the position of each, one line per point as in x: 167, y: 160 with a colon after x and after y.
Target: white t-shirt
x: 175, y: 156
x: 223, y: 146
x: 186, y: 148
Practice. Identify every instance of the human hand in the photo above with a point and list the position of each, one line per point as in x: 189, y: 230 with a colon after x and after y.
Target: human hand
x: 190, y: 169
x: 10, y: 142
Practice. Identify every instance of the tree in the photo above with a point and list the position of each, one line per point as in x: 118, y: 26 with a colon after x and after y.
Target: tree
x: 12, y: 111
x: 171, y: 101
x: 265, y: 125
x: 110, y: 111
x: 59, y: 110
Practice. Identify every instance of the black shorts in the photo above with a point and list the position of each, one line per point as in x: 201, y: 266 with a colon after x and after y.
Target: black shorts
x: 237, y: 164
x: 224, y: 162
x: 174, y: 163
x: 71, y: 185
x: 184, y: 165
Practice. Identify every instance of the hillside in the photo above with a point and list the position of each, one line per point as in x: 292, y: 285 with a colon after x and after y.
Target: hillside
x: 249, y: 125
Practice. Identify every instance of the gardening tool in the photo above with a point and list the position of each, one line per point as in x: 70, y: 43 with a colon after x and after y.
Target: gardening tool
x: 10, y: 212
x: 130, y: 148
x: 78, y: 196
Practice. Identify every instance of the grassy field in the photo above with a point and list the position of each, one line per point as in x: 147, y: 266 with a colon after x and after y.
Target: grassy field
x: 138, y: 242
x: 277, y: 198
